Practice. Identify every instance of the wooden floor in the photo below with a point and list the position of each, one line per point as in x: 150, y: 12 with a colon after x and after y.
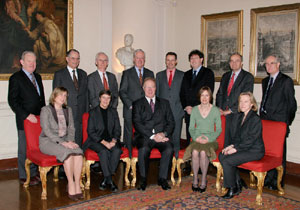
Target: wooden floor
x: 14, y: 196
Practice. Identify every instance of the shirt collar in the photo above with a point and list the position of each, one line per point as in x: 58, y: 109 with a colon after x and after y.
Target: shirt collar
x: 148, y: 99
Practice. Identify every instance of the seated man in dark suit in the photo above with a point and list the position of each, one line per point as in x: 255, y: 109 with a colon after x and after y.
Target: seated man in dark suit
x: 104, y: 133
x: 154, y: 124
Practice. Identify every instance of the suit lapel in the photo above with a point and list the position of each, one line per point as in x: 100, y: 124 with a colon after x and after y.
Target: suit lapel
x: 29, y: 83
x: 98, y: 80
x: 68, y: 79
x: 199, y: 75
x: 109, y: 121
x: 238, y: 80
x: 134, y: 76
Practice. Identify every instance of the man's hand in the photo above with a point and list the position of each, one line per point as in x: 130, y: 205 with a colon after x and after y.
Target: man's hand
x: 160, y: 137
x: 32, y: 118
x: 188, y: 109
x: 229, y: 150
x: 106, y: 144
x: 227, y: 112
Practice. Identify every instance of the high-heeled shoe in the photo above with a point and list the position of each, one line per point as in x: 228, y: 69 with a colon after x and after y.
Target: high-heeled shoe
x: 73, y: 197
x: 80, y: 196
x: 201, y: 189
x: 195, y: 189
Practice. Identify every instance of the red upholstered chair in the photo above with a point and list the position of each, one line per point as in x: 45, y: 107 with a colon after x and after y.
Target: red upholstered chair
x: 34, y: 155
x: 91, y: 156
x: 176, y: 164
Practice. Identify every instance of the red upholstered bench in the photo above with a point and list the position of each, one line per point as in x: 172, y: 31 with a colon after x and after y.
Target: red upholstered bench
x: 91, y: 156
x: 176, y: 164
x: 34, y: 155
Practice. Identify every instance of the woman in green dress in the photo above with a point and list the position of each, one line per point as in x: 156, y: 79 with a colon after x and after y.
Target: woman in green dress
x: 205, y: 127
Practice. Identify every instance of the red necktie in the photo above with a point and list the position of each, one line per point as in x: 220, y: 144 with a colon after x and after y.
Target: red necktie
x: 230, y: 84
x: 141, y: 77
x: 170, y: 79
x: 105, y: 84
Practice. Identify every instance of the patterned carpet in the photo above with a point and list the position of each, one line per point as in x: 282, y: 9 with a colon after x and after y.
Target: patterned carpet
x: 183, y: 198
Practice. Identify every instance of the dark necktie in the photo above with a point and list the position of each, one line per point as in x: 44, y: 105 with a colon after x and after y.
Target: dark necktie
x: 194, y: 75
x: 152, y: 105
x: 33, y: 81
x: 230, y: 84
x: 75, y: 80
x: 105, y: 84
x: 141, y: 77
x: 267, y: 94
x: 170, y: 79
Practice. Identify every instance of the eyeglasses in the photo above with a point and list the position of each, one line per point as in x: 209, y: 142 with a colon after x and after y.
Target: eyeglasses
x: 272, y: 63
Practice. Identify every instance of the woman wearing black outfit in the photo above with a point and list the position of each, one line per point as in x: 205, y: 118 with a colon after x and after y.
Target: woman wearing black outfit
x: 104, y: 133
x: 243, y: 142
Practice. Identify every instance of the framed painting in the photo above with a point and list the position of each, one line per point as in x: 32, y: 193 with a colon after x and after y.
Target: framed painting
x: 42, y: 26
x: 275, y: 31
x: 221, y: 36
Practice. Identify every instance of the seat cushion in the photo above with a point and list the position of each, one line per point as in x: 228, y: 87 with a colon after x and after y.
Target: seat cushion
x: 92, y: 155
x: 265, y: 164
x: 181, y: 153
x: 155, y: 153
x: 41, y: 159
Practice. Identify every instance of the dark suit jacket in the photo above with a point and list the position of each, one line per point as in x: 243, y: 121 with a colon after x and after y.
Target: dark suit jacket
x: 131, y: 89
x: 243, y: 83
x: 77, y: 100
x: 95, y: 85
x: 281, y: 104
x: 189, y: 89
x: 171, y: 94
x: 145, y: 121
x: 246, y: 137
x: 96, y: 126
x: 23, y: 98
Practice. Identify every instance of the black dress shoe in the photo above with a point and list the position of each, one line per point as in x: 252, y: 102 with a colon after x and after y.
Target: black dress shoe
x: 272, y: 187
x: 103, y: 185
x: 164, y: 184
x: 232, y: 191
x: 143, y: 184
x: 113, y: 187
x: 240, y: 184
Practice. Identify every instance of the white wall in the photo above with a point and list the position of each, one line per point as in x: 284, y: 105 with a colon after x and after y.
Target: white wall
x: 158, y: 26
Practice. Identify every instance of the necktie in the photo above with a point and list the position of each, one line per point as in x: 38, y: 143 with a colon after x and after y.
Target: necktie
x: 170, y: 79
x: 194, y: 75
x: 230, y: 84
x: 105, y: 84
x: 33, y: 80
x: 141, y: 77
x: 267, y: 93
x: 152, y: 105
x: 75, y: 80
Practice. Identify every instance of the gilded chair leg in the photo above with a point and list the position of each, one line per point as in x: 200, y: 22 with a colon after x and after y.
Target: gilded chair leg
x: 127, y: 162
x: 260, y: 183
x: 88, y: 173
x: 252, y: 180
x: 55, y: 178
x: 27, y: 169
x: 173, y: 170
x: 279, y: 178
x: 82, y: 174
x: 133, y: 168
x: 219, y: 174
x: 43, y: 176
x: 178, y: 166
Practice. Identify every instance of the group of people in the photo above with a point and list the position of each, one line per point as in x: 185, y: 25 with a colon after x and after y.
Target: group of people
x: 154, y: 109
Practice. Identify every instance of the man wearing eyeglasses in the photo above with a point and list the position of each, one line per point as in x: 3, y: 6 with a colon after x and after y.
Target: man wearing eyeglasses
x: 278, y: 104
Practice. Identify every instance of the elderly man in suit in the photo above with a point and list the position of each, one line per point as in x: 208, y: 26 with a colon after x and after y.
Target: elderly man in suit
x: 75, y: 81
x: 154, y: 125
x: 102, y: 80
x: 168, y: 83
x: 193, y: 80
x: 131, y: 90
x: 233, y: 83
x: 26, y: 98
x: 279, y: 104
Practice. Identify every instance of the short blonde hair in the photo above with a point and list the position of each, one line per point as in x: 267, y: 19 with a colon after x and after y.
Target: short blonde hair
x: 252, y: 100
x: 55, y: 93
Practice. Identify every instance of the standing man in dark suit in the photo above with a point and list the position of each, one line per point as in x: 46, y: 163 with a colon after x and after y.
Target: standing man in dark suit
x: 75, y: 81
x: 102, y: 80
x: 168, y: 83
x: 131, y: 90
x: 233, y: 83
x: 26, y: 98
x: 154, y: 124
x: 278, y: 104
x: 193, y: 80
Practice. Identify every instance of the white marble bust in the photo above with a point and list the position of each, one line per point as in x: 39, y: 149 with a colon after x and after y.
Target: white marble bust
x: 125, y: 54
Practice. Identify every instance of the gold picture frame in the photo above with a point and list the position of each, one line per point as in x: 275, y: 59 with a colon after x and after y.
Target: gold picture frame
x: 35, y: 36
x: 221, y: 36
x: 275, y: 31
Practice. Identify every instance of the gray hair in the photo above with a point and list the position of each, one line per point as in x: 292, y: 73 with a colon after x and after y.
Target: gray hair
x: 27, y: 52
x: 138, y: 50
x: 101, y: 53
